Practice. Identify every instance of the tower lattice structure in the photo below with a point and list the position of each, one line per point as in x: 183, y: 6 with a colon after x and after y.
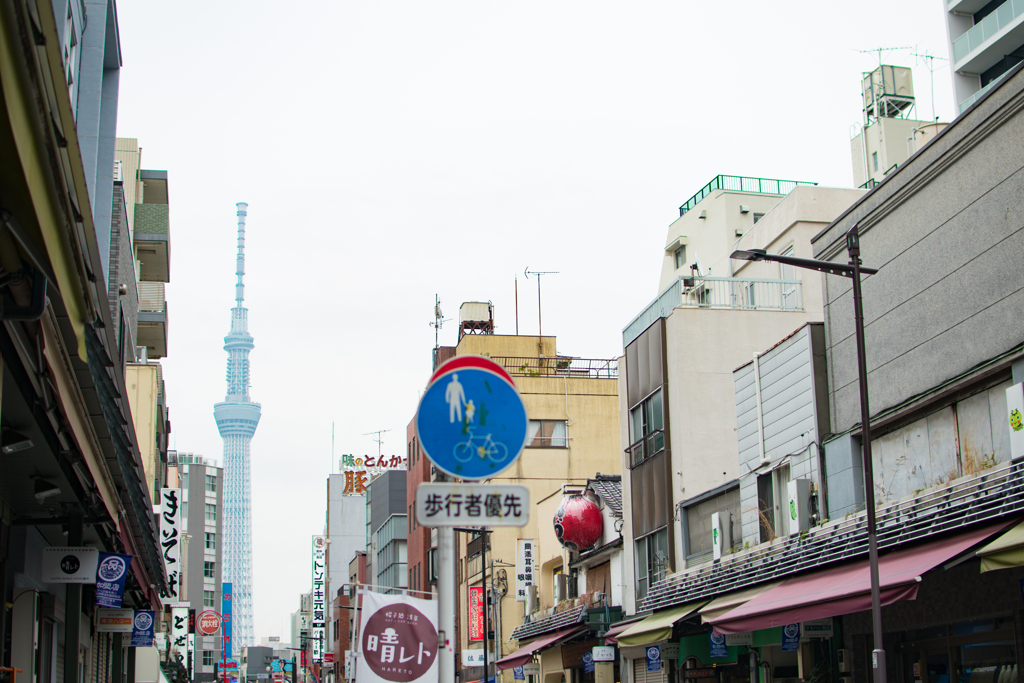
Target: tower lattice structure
x: 237, y: 418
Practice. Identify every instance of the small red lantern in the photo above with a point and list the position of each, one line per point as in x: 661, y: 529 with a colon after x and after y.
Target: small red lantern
x: 578, y: 523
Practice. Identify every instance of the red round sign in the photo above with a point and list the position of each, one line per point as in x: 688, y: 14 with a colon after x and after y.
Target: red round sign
x: 208, y: 622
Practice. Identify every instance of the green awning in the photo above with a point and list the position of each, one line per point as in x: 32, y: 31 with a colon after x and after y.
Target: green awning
x: 658, y: 626
x: 1005, y: 552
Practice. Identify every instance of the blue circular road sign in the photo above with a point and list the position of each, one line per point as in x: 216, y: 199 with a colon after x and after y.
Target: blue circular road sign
x: 471, y: 421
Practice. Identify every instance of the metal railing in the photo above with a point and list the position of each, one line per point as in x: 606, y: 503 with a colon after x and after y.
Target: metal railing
x: 151, y: 297
x: 718, y: 292
x: 993, y: 23
x: 737, y: 183
x: 559, y: 366
x: 650, y: 444
x: 981, y: 93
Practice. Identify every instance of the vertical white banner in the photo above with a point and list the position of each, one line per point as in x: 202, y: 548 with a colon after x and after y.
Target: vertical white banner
x: 318, y: 623
x: 179, y: 631
x: 397, y: 640
x: 170, y: 542
x: 191, y: 655
x: 524, y: 567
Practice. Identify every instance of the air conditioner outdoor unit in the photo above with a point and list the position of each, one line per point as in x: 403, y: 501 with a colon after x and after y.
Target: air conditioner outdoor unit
x: 687, y: 282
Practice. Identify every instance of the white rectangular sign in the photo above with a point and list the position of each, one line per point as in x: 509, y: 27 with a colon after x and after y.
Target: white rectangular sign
x: 472, y: 505
x: 816, y: 628
x: 525, y: 559
x: 170, y: 541
x: 318, y: 622
x: 603, y: 653
x: 179, y: 630
x: 114, y: 620
x: 1015, y: 418
x: 70, y: 565
x: 744, y: 638
x: 476, y: 657
x: 531, y: 669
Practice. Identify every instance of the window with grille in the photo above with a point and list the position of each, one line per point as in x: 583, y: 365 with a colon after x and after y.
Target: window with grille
x: 647, y: 425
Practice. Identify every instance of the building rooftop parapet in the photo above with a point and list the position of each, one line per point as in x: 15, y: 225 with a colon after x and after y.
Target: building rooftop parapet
x: 735, y: 183
x: 995, y: 494
x: 717, y: 292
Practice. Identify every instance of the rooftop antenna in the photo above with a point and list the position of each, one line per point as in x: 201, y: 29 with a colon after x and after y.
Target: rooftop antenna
x: 930, y: 61
x: 880, y: 50
x: 379, y: 439
x: 538, y: 273
x: 439, y: 320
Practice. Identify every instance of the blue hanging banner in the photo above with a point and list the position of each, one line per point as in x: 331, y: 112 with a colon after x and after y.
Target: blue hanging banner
x: 517, y: 673
x: 654, y: 658
x: 111, y: 573
x: 142, y: 628
x: 588, y: 662
x: 790, y: 637
x: 718, y: 647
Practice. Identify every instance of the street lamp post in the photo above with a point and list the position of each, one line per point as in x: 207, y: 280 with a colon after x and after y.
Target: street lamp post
x: 853, y: 271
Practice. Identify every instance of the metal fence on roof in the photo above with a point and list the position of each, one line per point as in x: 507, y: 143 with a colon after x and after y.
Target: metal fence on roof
x: 737, y: 183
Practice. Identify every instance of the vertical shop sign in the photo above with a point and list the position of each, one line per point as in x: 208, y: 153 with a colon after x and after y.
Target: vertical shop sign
x: 319, y: 621
x: 524, y: 567
x: 170, y: 541
x: 790, y: 637
x: 179, y: 630
x: 225, y: 610
x: 476, y: 613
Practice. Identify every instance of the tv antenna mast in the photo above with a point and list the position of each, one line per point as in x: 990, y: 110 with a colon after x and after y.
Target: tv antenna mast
x: 379, y: 439
x: 439, y: 320
x: 930, y: 61
x: 880, y: 50
x: 538, y: 273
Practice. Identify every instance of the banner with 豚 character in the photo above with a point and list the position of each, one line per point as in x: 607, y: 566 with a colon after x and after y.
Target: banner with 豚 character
x: 398, y: 640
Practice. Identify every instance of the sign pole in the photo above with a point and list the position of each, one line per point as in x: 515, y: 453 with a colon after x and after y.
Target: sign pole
x: 484, y: 539
x: 446, y: 601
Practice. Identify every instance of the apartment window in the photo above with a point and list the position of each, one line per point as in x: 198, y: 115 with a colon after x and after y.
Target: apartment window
x: 651, y: 561
x: 208, y: 598
x: 211, y: 483
x: 874, y: 160
x: 547, y: 434
x: 647, y: 426
x: 758, y: 216
x: 698, y: 545
x: 211, y: 512
x: 680, y: 255
x: 211, y: 541
x: 207, y: 657
x: 209, y: 570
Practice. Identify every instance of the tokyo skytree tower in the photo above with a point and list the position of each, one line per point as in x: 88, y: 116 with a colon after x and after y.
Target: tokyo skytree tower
x: 237, y: 418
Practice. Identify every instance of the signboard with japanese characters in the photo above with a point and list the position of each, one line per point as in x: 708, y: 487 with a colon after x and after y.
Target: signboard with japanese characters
x: 170, y: 541
x: 487, y: 505
x: 114, y: 620
x: 524, y: 567
x: 225, y: 610
x: 476, y: 614
x: 318, y: 622
x: 398, y: 640
x: 70, y: 565
x: 360, y: 470
x: 142, y: 628
x: 179, y: 630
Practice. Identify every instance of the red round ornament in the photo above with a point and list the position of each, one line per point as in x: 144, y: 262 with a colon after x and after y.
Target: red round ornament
x: 578, y: 523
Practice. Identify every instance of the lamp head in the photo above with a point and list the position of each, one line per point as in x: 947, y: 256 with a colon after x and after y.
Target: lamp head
x: 749, y: 255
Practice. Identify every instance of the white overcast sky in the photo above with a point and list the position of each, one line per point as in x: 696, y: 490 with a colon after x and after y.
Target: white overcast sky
x: 390, y: 150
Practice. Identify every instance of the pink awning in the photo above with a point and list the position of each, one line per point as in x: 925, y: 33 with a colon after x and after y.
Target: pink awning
x: 524, y: 655
x: 847, y: 589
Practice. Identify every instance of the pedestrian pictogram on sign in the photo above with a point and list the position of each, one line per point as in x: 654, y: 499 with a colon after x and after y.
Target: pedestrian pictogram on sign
x: 471, y: 420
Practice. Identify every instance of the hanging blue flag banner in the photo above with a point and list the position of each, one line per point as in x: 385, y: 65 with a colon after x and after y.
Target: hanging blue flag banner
x: 790, y: 637
x: 111, y: 573
x: 517, y: 673
x: 718, y: 646
x: 142, y: 628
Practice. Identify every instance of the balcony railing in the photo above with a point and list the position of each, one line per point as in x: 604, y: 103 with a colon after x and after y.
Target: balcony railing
x: 992, y: 24
x: 151, y: 297
x: 559, y: 366
x: 650, y: 444
x: 718, y: 292
x: 737, y: 183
